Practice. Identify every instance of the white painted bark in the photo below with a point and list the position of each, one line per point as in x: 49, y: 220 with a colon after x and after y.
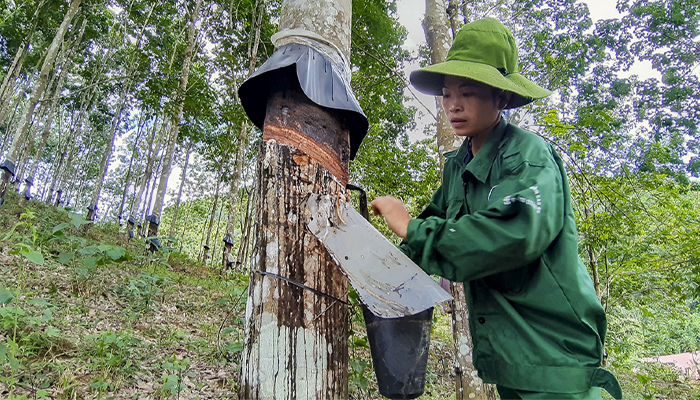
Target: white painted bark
x: 296, y: 343
x: 179, y: 100
x: 296, y: 340
x: 40, y: 84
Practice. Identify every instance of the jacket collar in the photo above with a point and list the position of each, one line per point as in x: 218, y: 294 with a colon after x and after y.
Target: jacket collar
x: 480, y: 165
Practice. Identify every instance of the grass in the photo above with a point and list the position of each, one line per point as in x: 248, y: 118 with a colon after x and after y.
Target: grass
x: 107, y: 324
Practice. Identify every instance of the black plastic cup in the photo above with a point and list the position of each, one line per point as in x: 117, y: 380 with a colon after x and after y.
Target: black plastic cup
x: 400, y: 352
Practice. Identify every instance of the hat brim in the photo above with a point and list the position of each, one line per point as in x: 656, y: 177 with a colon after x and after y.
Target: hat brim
x: 430, y: 80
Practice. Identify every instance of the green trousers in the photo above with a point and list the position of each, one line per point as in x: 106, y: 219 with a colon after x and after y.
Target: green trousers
x: 513, y: 394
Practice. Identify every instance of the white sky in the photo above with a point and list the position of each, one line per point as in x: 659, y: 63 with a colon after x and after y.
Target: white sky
x: 411, y: 14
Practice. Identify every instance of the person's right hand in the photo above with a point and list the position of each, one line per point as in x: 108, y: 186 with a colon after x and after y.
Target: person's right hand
x: 394, y: 212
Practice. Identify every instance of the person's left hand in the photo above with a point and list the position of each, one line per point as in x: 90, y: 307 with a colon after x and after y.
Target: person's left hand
x: 394, y: 212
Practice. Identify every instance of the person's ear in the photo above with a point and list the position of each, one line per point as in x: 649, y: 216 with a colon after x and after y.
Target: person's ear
x: 504, y: 98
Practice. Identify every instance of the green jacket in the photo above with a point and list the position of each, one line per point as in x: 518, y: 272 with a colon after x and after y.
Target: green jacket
x: 504, y: 225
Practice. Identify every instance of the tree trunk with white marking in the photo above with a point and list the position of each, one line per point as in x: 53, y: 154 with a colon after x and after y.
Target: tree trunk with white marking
x: 296, y: 344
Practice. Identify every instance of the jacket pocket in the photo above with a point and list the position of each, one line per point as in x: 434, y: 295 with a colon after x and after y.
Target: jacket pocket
x: 514, y: 281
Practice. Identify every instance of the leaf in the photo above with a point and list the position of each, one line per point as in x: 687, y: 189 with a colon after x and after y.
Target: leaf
x: 221, y: 301
x: 363, y: 383
x: 5, y: 296
x: 643, y: 379
x: 40, y: 302
x: 78, y: 220
x: 104, y: 247
x: 116, y: 252
x: 228, y: 331
x: 234, y: 347
x: 60, y: 227
x: 52, y: 332
x: 33, y: 256
x: 65, y: 258
x: 88, y: 251
x: 91, y: 262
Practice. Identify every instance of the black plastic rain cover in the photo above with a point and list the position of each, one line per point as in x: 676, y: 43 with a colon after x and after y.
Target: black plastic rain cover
x: 320, y: 80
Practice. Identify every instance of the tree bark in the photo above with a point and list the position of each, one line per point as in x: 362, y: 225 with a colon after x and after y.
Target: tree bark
x: 453, y: 15
x: 244, y: 243
x: 179, y: 100
x: 233, y: 196
x: 437, y: 34
x: 296, y: 340
x: 240, y: 153
x: 9, y: 82
x: 37, y: 91
x: 296, y: 343
x: 152, y: 155
x: 127, y: 178
x: 214, y: 208
x: 183, y: 179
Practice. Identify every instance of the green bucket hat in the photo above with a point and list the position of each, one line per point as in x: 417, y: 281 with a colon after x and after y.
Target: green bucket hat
x: 484, y: 51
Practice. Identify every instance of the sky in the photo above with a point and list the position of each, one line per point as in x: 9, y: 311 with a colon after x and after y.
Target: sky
x: 411, y: 14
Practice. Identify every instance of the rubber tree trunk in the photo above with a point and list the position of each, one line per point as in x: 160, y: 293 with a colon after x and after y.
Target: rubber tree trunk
x: 10, y: 82
x: 183, y: 179
x: 12, y: 73
x: 179, y: 100
x: 65, y: 66
x: 104, y: 165
x: 453, y: 15
x: 233, y: 198
x: 214, y: 209
x: 40, y: 84
x: 227, y: 258
x: 148, y: 171
x: 127, y: 178
x: 244, y: 245
x: 296, y: 344
x: 106, y: 155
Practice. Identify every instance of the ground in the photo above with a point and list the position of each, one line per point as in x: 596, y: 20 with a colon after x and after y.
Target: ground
x: 86, y: 314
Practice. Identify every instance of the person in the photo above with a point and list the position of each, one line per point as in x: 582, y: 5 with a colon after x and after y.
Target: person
x: 502, y: 222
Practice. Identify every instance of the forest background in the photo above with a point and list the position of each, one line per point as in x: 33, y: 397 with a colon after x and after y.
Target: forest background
x: 119, y: 109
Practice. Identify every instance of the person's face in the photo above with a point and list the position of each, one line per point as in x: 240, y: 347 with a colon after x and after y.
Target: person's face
x: 471, y: 107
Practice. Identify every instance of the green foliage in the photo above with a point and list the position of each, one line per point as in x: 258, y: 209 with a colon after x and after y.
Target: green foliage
x: 114, y: 351
x: 141, y: 291
x: 172, y: 382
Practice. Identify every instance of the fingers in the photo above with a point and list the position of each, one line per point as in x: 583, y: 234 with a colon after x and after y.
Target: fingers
x: 383, y: 205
